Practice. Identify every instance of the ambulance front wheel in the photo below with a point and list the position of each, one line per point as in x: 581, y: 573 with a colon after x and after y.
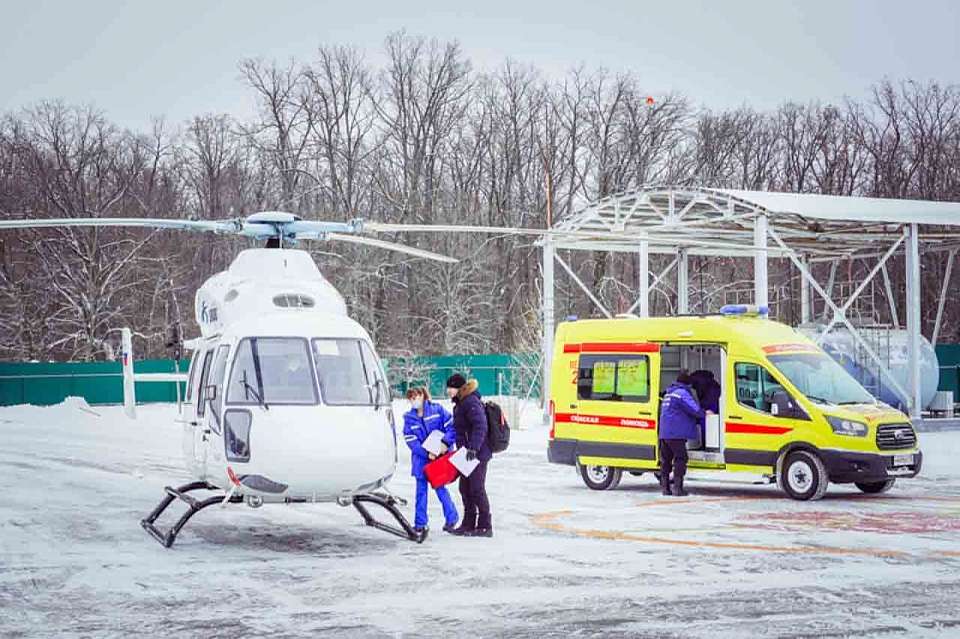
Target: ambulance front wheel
x: 600, y: 477
x: 803, y: 476
x: 876, y: 487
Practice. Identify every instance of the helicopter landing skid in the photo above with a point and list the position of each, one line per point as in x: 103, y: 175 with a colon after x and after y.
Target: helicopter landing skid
x: 167, y: 538
x: 388, y: 503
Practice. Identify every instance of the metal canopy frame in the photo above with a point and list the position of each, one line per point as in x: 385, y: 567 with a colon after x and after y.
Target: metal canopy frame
x: 684, y: 221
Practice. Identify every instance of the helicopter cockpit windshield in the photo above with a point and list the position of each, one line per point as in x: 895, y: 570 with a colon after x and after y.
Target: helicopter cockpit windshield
x: 349, y: 373
x: 272, y: 370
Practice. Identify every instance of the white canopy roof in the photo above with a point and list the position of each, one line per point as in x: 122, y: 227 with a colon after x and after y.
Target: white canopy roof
x: 710, y: 221
x: 854, y: 209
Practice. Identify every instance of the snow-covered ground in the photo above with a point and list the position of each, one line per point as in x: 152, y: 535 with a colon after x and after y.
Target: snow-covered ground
x: 729, y: 561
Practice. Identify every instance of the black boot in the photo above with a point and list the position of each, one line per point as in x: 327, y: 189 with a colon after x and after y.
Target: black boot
x: 422, y: 532
x: 678, y: 490
x: 665, y: 485
x: 467, y: 526
x: 484, y: 526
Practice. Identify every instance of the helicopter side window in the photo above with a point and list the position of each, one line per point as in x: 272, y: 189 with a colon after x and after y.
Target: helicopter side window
x: 376, y: 378
x: 192, y: 377
x: 345, y: 380
x: 218, y: 370
x: 272, y: 370
x: 205, y: 372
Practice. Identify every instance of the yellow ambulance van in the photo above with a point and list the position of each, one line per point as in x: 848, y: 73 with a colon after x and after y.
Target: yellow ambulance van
x: 787, y: 410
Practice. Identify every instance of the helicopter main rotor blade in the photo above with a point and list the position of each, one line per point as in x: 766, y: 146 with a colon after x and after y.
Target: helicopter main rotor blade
x: 385, y: 227
x: 215, y: 226
x: 390, y: 246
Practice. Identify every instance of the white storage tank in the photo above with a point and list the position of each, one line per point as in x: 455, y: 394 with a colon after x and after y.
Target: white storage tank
x: 890, y: 345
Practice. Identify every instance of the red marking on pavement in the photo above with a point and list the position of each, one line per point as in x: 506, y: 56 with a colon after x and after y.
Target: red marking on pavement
x: 548, y: 522
x: 889, y: 523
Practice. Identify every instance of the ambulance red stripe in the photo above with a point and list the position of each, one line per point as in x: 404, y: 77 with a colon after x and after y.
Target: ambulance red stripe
x: 603, y: 420
x: 612, y: 347
x: 756, y: 429
x: 787, y: 348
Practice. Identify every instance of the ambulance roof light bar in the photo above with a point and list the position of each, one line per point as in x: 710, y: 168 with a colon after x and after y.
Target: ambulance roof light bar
x: 744, y: 310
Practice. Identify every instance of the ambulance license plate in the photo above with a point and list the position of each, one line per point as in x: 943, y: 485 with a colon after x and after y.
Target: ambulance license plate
x: 903, y: 460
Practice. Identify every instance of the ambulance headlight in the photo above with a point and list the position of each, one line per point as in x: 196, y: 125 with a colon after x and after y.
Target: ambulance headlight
x: 847, y: 427
x: 236, y: 435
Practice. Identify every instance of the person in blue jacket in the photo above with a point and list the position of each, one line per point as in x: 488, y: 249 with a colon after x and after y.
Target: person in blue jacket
x: 424, y: 417
x: 680, y: 414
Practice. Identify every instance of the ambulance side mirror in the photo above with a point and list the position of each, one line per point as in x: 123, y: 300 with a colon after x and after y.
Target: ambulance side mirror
x: 782, y: 405
x: 210, y: 392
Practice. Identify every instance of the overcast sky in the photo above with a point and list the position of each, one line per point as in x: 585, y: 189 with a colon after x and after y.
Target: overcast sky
x: 178, y: 58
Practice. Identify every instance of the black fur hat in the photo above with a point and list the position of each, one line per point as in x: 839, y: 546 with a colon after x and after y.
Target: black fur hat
x: 456, y: 381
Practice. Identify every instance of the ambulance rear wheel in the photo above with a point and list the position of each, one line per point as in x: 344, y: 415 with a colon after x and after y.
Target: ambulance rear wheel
x: 600, y: 477
x: 803, y: 476
x: 876, y: 487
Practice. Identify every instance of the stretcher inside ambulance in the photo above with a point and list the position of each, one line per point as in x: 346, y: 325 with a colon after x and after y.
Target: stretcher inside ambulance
x: 787, y: 412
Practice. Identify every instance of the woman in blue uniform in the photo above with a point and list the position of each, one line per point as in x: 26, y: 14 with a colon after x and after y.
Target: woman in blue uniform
x: 423, y: 418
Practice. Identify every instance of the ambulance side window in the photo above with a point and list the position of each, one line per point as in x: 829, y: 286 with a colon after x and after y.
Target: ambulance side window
x: 614, y: 378
x: 755, y: 387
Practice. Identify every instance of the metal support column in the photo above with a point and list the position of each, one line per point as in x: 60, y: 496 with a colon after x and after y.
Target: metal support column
x: 805, y: 315
x: 913, y: 318
x: 891, y: 298
x: 643, y: 294
x: 683, y: 282
x: 944, y: 289
x: 548, y: 323
x: 760, y: 285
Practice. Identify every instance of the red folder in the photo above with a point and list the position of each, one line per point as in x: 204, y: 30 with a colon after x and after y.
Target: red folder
x: 440, y: 471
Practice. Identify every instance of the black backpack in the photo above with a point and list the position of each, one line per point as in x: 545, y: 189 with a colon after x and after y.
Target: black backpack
x: 498, y: 430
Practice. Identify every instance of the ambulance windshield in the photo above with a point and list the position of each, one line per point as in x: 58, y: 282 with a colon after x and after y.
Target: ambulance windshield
x: 821, y: 379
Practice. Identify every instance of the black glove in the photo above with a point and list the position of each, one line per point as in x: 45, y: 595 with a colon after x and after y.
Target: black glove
x: 471, y: 455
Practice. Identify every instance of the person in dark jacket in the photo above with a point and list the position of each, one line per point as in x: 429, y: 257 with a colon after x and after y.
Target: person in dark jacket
x: 470, y: 423
x: 679, y: 414
x: 423, y: 418
x: 708, y: 392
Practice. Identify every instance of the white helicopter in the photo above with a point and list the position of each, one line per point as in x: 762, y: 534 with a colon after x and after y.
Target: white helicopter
x: 286, y: 399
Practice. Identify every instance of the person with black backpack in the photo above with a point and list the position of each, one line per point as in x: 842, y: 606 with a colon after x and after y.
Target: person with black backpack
x: 471, y: 425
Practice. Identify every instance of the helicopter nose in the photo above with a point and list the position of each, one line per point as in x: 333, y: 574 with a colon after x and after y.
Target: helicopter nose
x: 325, y: 456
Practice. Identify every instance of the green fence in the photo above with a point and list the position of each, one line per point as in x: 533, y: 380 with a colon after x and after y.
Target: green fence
x: 102, y: 382
x: 98, y: 382
x: 498, y: 374
x: 949, y: 356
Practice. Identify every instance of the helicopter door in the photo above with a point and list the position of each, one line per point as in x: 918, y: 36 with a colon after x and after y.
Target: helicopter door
x: 198, y: 459
x: 187, y: 413
x: 214, y: 408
